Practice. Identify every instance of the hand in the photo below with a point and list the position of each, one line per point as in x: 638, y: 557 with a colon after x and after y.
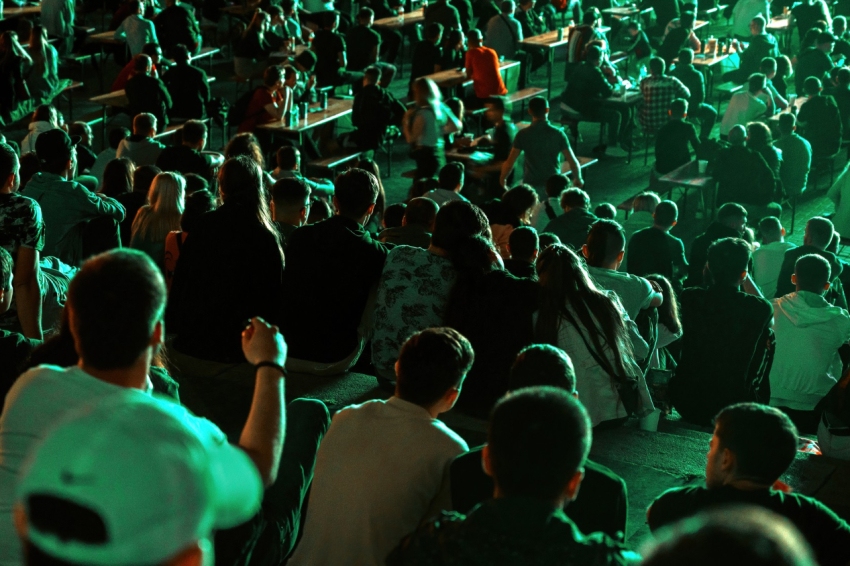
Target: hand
x: 262, y: 342
x: 311, y: 82
x: 578, y: 181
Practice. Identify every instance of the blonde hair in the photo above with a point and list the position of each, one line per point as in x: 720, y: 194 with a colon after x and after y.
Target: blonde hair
x: 164, y: 209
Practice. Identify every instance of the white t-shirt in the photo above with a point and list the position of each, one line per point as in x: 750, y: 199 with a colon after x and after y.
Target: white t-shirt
x: 381, y: 469
x: 443, y: 197
x: 767, y: 261
x: 634, y: 292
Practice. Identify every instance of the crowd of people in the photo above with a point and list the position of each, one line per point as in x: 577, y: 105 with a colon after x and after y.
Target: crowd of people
x: 154, y: 299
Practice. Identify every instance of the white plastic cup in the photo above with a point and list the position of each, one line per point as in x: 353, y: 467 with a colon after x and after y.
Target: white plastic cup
x: 703, y: 166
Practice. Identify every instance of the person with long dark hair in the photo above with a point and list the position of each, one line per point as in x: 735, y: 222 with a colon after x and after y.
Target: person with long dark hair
x: 43, y: 77
x: 590, y: 325
x: 13, y: 57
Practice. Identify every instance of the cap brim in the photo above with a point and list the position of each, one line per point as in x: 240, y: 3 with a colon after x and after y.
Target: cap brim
x: 238, y: 486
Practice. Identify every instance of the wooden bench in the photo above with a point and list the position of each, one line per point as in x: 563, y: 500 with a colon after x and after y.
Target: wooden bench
x: 334, y: 162
x: 208, y: 53
x: 174, y: 128
x: 68, y: 93
x: 92, y: 118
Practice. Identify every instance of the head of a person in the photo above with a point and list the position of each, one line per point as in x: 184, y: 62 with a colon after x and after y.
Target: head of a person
x: 454, y: 40
x: 645, y: 202
x: 118, y: 177
x: 633, y: 28
x: 687, y: 20
x: 180, y: 53
x: 10, y: 169
x: 812, y: 86
x: 543, y: 365
x: 154, y: 51
x: 812, y: 273
x: 526, y: 5
x: 606, y: 244
x: 605, y: 210
x: 291, y: 201
x: 260, y: 23
x: 394, y: 215
x: 678, y: 109
x: 839, y: 25
x: 273, y: 76
x: 197, y: 204
x: 751, y: 442
x: 819, y: 232
x: 474, y: 37
x: 842, y: 78
x: 136, y: 7
x: 456, y: 222
x: 737, y: 135
x: 783, y: 67
x: 538, y: 108
x: 825, y: 42
x: 757, y: 25
x: 548, y: 239
x: 142, y: 64
x: 143, y: 177
x: 523, y: 244
x: 756, y: 83
x: 771, y: 230
x: 421, y: 212
x: 330, y: 20
x: 245, y: 145
x: 117, y: 135
x: 194, y: 183
x: 733, y: 215
x: 768, y: 67
x: 521, y: 201
x: 451, y: 176
x: 355, y: 194
x: 240, y: 181
x: 591, y: 17
x: 82, y: 130
x: 431, y: 367
x: 425, y: 92
x: 556, y: 185
x: 144, y: 124
x: 7, y: 270
x: 666, y: 214
x: 159, y: 503
x: 508, y: 7
x: 166, y: 202
x: 57, y: 151
x: 593, y: 55
x: 788, y: 122
x: 732, y: 535
x: 306, y: 61
x: 574, y: 197
x: 434, y: 32
x: 366, y: 16
x: 288, y: 158
x: 657, y: 66
x: 44, y: 113
x: 728, y: 261
x: 537, y: 444
x: 195, y: 134
x: 371, y: 76
x: 758, y: 136
x: 496, y: 108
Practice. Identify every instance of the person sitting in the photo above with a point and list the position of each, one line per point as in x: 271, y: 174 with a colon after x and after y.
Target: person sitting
x: 482, y: 68
x: 135, y: 29
x: 810, y: 14
x: 450, y: 184
x: 639, y: 49
x: 364, y: 47
x: 375, y: 109
x: 643, y: 207
x: 189, y: 156
x: 585, y: 95
x: 549, y: 206
x: 581, y: 37
x: 654, y: 250
x: 431, y: 369
x: 427, y: 54
x: 160, y: 216
x: 65, y: 204
x: 768, y: 258
x: 270, y: 102
x: 745, y: 107
x: 672, y: 140
x: 819, y: 234
x: 814, y: 61
x: 807, y: 328
x: 322, y: 259
x: 86, y: 156
x: 43, y: 78
x: 572, y: 226
x: 760, y: 45
x: 538, y: 441
x: 523, y: 247
x: 796, y: 156
x: 819, y: 121
x: 722, y: 319
x: 146, y: 93
x: 605, y: 210
x: 290, y: 206
x: 694, y: 81
x: 604, y: 251
x: 759, y: 139
x: 769, y: 68
x: 141, y: 147
x: 504, y: 32
x: 679, y: 36
x: 15, y: 347
x: 152, y: 50
x: 744, y: 176
x: 659, y: 91
x: 331, y: 58
x: 44, y: 118
x: 13, y: 57
x: 416, y: 227
x: 578, y: 317
x: 453, y: 50
x: 114, y: 139
x: 752, y: 446
x: 252, y: 49
x: 288, y: 160
x: 177, y: 25
x: 731, y: 223
x: 188, y: 87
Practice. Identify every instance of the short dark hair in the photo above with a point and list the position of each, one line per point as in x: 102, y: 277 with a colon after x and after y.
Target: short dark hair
x: 759, y: 21
x: 433, y: 31
x: 763, y: 440
x: 117, y: 135
x: 180, y: 53
x: 287, y: 157
x: 820, y: 231
x: 557, y: 184
x: 539, y: 438
x: 421, y: 211
x: 770, y: 226
x: 456, y: 222
x: 843, y: 76
x: 657, y: 65
x: 520, y: 199
x: 523, y: 242
x: 548, y: 239
x: 365, y: 12
x: 605, y: 240
x: 7, y: 267
x: 727, y: 259
x: 451, y: 175
x: 666, y: 213
x: 574, y: 197
x: 272, y: 74
x: 825, y: 37
x: 194, y: 183
x: 143, y: 176
x: 9, y: 162
x: 394, y: 214
x: 430, y: 363
x: 813, y: 272
x: 731, y: 210
x: 590, y: 16
x: 756, y: 82
x: 543, y: 364
x: 605, y: 210
x: 787, y: 121
x: 538, y: 106
x: 141, y: 62
x: 197, y: 204
x: 679, y: 107
x: 194, y: 131
x: 329, y: 17
x: 687, y: 19
x: 114, y: 301
x: 290, y: 192
x: 500, y: 103
x: 150, y: 49
x: 372, y: 74
x: 355, y: 191
x: 686, y: 56
x: 812, y: 85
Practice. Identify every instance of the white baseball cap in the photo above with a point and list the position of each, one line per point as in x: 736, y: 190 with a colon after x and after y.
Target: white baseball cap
x: 158, y: 477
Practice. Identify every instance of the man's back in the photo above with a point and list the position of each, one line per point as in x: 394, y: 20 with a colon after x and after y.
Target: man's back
x: 699, y: 250
x: 761, y: 46
x: 483, y: 64
x: 841, y: 95
x: 175, y: 25
x: 743, y: 108
x: 381, y: 469
x: 828, y: 535
x: 812, y: 62
x: 586, y: 88
x: 693, y: 80
x: 189, y: 91
x: 821, y: 125
x: 503, y: 35
x: 330, y: 269
x: 327, y: 46
x: 767, y: 261
x: 425, y: 56
x: 361, y: 42
x: 442, y: 13
x: 672, y: 145
x: 655, y: 251
x: 784, y: 285
x: 796, y: 162
x: 658, y: 93
x: 148, y: 94
x: 183, y: 159
x: 141, y: 149
x: 542, y: 144
x: 743, y: 176
x: 572, y: 227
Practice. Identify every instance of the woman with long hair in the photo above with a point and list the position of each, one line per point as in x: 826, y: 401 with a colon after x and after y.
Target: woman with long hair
x: 425, y: 125
x: 118, y: 177
x: 160, y: 216
x: 44, y: 118
x: 230, y: 269
x: 253, y: 49
x: 43, y: 77
x: 13, y: 58
x: 590, y: 325
x: 374, y: 224
x: 513, y: 210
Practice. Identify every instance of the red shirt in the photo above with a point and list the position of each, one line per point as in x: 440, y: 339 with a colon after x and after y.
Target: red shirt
x: 257, y: 113
x: 482, y: 64
x: 125, y: 74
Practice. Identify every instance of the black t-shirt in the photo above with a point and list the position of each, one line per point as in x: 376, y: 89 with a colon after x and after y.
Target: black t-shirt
x: 182, y: 159
x: 362, y: 41
x: 425, y: 56
x: 828, y: 534
x: 14, y: 351
x: 327, y: 45
x: 652, y: 250
x: 85, y: 157
x: 503, y: 140
x: 671, y: 145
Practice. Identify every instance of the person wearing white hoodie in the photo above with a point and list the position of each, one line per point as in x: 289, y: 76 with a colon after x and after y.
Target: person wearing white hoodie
x: 141, y: 147
x: 43, y: 119
x: 809, y: 331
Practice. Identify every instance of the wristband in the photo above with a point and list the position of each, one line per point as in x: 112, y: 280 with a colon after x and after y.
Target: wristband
x: 272, y: 365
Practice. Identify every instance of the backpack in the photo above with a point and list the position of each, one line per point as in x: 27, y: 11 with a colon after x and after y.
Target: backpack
x: 239, y: 111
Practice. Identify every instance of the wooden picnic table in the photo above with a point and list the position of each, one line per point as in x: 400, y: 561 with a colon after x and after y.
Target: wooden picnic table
x: 781, y: 26
x: 337, y: 108
x: 706, y: 64
x: 454, y: 77
x: 689, y: 176
x: 550, y: 42
x: 22, y: 12
x: 408, y: 19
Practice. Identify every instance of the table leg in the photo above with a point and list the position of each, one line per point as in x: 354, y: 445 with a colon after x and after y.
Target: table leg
x: 103, y: 141
x: 551, y: 69
x: 71, y: 105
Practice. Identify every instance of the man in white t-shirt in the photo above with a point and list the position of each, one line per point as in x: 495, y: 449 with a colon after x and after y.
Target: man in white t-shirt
x: 117, y: 335
x: 382, y: 468
x: 451, y: 183
x: 809, y: 331
x: 604, y: 251
x: 767, y: 260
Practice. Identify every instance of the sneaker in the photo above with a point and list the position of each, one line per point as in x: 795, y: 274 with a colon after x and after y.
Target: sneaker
x: 615, y: 151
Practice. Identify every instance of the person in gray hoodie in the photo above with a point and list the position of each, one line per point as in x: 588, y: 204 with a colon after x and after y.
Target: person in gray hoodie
x: 809, y: 332
x: 141, y: 147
